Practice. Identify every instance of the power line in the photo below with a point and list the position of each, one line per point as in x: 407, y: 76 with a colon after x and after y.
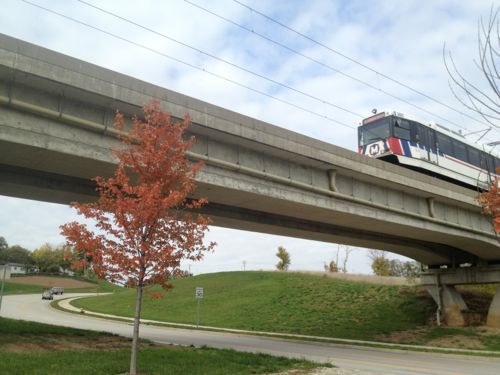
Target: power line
x: 288, y: 87
x: 252, y: 31
x: 325, y: 117
x: 269, y: 18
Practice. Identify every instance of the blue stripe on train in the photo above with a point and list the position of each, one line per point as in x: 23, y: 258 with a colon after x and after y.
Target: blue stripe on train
x: 406, y: 148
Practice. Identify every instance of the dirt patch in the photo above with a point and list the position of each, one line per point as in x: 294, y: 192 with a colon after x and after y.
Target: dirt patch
x: 458, y: 341
x: 414, y: 337
x: 370, y: 279
x: 49, y: 281
x: 45, y: 343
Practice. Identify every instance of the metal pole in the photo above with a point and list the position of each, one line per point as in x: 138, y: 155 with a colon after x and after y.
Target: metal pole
x: 197, y: 312
x: 3, y: 283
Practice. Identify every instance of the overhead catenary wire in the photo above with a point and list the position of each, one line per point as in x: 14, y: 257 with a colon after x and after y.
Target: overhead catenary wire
x: 261, y: 75
x: 324, y: 65
x: 385, y: 76
x: 246, y: 70
x: 325, y: 117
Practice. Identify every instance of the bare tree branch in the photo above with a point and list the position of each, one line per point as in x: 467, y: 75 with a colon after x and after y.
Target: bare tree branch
x: 483, y: 101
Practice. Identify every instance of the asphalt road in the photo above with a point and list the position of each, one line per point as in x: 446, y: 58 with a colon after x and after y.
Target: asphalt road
x: 377, y: 361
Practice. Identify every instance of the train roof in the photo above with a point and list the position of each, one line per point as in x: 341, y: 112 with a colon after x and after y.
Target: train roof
x: 433, y: 125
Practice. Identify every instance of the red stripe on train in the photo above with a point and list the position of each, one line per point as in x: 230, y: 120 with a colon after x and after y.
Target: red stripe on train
x: 395, y: 145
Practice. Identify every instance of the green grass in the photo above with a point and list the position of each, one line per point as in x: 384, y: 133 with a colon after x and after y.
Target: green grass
x: 13, y: 288
x: 280, y: 302
x: 171, y: 360
x: 12, y: 331
x: 100, y: 286
x: 151, y: 360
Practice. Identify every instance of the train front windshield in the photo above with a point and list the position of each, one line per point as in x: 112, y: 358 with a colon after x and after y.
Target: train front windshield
x: 374, y: 131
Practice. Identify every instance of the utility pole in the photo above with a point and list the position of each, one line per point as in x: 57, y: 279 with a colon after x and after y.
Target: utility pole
x: 244, y: 265
x: 3, y: 283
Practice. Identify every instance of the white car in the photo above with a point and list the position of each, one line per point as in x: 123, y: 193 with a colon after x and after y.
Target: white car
x: 57, y: 290
x: 47, y: 295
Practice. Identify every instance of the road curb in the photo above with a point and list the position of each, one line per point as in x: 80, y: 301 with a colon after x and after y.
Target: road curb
x: 65, y: 304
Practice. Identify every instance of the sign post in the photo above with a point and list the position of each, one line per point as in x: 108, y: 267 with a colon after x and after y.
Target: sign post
x: 3, y: 283
x: 199, y: 296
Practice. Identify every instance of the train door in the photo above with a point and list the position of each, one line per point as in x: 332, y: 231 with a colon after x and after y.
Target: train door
x: 427, y: 142
x: 432, y: 149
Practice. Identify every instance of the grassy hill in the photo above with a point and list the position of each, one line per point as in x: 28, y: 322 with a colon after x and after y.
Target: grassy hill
x: 282, y: 302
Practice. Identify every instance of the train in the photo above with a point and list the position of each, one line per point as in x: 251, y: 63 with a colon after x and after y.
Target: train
x: 429, y: 148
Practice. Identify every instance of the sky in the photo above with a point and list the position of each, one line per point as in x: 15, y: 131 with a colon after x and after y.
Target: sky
x: 343, y: 59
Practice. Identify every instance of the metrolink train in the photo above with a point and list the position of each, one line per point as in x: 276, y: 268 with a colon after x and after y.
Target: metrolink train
x: 428, y: 148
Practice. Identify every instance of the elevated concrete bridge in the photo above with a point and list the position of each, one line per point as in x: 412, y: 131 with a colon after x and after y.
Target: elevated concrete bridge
x: 56, y: 116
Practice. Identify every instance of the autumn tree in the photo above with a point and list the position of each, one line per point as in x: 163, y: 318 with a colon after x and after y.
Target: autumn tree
x: 143, y: 224
x: 490, y: 201
x: 284, y: 257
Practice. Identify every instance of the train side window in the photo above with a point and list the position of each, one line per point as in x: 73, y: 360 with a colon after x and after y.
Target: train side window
x: 402, y: 129
x: 460, y: 150
x: 474, y: 156
x: 444, y: 144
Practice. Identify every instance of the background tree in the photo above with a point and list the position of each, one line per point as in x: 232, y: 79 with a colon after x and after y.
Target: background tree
x: 347, y: 250
x: 284, y: 257
x: 16, y: 254
x: 143, y: 228
x: 3, y: 244
x: 334, y: 265
x: 51, y: 259
x: 412, y: 270
x: 482, y: 98
x: 331, y: 267
x: 382, y: 266
x: 380, y: 263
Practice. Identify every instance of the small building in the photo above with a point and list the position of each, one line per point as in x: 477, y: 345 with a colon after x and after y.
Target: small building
x: 12, y: 269
x: 17, y: 268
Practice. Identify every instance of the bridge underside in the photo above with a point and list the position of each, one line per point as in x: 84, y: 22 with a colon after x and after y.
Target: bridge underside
x: 26, y: 183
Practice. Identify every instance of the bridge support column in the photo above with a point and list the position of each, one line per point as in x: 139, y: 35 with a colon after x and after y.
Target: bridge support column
x: 450, y: 303
x: 441, y: 285
x: 493, y: 319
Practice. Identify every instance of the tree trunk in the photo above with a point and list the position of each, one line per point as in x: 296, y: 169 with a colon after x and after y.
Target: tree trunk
x: 135, y: 339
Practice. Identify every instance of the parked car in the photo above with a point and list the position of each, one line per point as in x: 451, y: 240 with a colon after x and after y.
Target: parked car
x: 57, y: 290
x: 47, y: 294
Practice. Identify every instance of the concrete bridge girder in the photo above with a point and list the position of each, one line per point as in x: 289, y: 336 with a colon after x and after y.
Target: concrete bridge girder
x: 56, y: 118
x: 81, y: 148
